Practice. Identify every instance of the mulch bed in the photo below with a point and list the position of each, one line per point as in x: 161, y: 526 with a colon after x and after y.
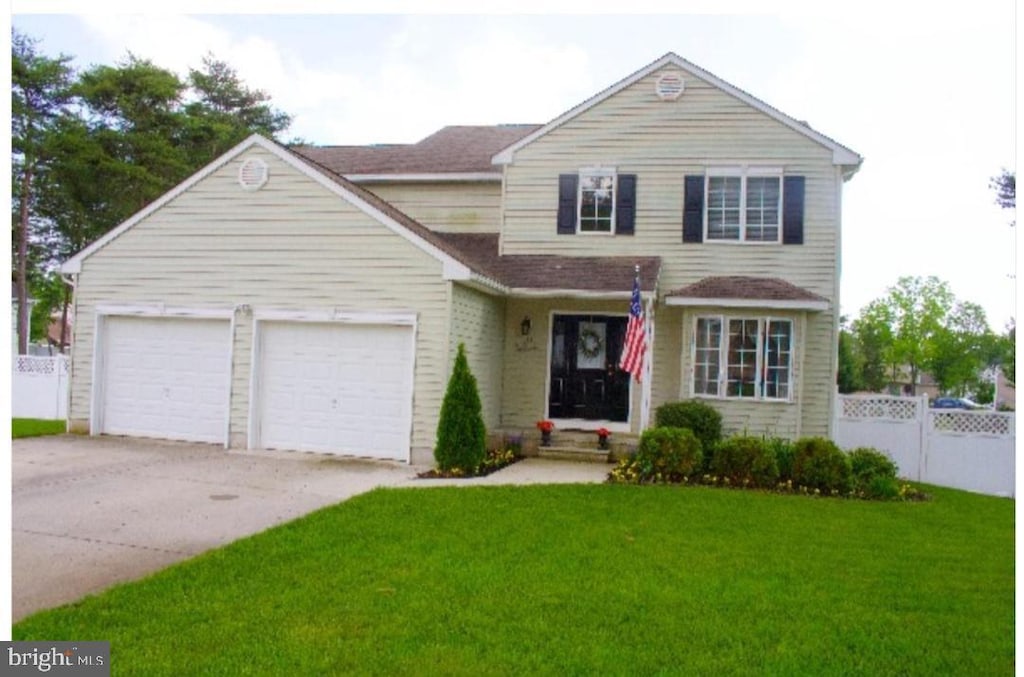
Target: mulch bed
x: 483, y: 471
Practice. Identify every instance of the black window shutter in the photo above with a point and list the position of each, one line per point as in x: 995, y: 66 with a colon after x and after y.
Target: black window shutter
x: 693, y: 209
x: 567, y: 184
x: 793, y: 210
x: 625, y: 205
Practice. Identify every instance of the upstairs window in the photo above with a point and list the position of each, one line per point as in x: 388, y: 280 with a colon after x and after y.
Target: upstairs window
x: 743, y: 204
x: 597, y: 201
x: 744, y: 207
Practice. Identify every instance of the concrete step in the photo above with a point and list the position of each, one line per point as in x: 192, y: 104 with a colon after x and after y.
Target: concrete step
x: 567, y: 453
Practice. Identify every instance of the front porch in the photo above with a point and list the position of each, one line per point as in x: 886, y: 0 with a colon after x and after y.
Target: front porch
x: 561, y: 361
x: 569, y: 444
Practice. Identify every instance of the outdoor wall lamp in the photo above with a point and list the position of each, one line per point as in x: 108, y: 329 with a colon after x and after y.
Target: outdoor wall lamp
x: 524, y: 326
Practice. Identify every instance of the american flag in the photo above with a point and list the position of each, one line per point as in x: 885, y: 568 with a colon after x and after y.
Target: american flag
x: 635, y: 345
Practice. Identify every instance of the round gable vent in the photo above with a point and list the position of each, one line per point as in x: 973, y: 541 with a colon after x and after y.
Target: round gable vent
x: 669, y: 86
x: 253, y: 174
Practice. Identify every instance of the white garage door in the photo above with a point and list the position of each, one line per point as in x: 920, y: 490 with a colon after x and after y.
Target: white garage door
x: 165, y: 378
x: 336, y: 388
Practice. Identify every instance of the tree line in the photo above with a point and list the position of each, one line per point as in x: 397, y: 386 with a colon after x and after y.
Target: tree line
x: 919, y: 326
x: 92, y: 147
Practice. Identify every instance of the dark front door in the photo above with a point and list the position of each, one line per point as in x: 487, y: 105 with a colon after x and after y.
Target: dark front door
x: 586, y: 382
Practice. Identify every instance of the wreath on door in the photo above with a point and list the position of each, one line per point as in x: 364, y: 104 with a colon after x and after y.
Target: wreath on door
x: 590, y: 343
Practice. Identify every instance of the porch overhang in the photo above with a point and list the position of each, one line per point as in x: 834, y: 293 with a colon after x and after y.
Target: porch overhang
x: 738, y: 291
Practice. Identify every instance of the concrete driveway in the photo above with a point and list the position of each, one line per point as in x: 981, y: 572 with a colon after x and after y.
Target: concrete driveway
x: 89, y: 512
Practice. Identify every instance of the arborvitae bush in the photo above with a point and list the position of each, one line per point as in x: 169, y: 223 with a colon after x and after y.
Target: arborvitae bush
x: 745, y: 461
x: 700, y: 417
x: 819, y: 464
x: 668, y: 454
x: 461, y: 434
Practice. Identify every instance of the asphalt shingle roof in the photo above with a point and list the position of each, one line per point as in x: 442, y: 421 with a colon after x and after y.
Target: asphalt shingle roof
x: 745, y: 287
x: 456, y: 149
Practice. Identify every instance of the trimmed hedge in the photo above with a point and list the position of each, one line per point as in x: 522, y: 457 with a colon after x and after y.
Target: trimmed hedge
x: 873, y: 474
x: 745, y: 461
x: 667, y: 454
x: 700, y: 417
x: 819, y: 464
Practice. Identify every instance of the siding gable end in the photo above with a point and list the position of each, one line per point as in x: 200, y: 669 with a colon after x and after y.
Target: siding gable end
x: 453, y: 267
x: 841, y: 155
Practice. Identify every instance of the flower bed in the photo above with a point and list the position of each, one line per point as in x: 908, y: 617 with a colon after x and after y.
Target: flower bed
x: 496, y: 460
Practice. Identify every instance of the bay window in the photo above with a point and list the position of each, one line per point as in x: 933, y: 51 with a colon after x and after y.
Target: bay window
x: 743, y: 358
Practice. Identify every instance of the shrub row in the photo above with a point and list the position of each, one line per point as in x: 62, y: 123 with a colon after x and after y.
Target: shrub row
x: 687, y: 445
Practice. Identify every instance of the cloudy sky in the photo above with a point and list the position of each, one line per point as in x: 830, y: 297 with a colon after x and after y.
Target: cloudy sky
x: 926, y: 97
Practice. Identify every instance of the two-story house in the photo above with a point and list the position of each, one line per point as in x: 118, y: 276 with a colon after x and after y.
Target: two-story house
x: 313, y: 298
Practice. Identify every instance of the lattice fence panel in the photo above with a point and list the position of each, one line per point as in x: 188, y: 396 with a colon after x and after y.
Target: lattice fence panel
x: 31, y: 365
x: 891, y: 408
x: 972, y: 423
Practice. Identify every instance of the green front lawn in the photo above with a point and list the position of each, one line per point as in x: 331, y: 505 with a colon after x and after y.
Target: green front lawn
x: 36, y: 427
x: 585, y: 579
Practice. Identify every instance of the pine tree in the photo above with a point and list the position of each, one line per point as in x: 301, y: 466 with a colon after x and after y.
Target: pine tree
x: 461, y: 434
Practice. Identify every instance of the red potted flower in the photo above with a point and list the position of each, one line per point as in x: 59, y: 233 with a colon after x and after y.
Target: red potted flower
x: 545, y: 428
x: 602, y: 437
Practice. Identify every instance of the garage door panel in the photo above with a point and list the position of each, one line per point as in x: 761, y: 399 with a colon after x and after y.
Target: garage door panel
x: 336, y: 388
x: 165, y: 378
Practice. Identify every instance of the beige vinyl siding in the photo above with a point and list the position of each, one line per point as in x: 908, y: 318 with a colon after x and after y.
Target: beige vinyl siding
x: 705, y: 127
x: 293, y: 245
x: 468, y: 207
x: 478, y: 320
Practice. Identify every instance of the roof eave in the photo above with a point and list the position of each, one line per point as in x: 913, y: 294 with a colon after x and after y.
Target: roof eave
x: 773, y: 304
x: 427, y: 177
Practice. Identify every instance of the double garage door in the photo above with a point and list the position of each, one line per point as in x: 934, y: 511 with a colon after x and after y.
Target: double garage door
x: 325, y: 387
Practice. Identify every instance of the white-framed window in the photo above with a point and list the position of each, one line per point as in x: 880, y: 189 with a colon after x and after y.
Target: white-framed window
x: 743, y: 357
x: 596, y: 201
x: 743, y: 205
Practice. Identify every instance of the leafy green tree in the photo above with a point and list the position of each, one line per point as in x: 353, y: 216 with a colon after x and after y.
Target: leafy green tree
x: 961, y: 348
x: 1008, y: 346
x: 40, y: 90
x: 872, y: 338
x: 461, y: 434
x: 914, y: 309
x: 849, y: 374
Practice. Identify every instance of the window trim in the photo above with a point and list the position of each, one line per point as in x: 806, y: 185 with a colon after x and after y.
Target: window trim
x: 764, y: 322
x: 743, y: 172
x: 596, y: 171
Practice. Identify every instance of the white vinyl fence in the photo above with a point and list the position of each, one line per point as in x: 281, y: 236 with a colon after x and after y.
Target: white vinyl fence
x: 971, y: 450
x: 39, y: 387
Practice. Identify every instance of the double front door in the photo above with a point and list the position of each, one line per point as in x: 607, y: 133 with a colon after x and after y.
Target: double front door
x: 586, y: 382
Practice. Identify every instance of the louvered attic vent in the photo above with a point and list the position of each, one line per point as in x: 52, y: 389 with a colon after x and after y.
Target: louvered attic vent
x: 669, y: 86
x: 253, y: 174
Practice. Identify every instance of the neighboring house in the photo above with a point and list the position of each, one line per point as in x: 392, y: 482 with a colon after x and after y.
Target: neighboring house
x: 900, y: 383
x: 313, y: 298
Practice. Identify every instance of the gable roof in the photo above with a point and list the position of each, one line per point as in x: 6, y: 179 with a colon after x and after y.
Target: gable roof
x: 841, y: 155
x: 742, y: 291
x: 455, y: 267
x: 456, y: 150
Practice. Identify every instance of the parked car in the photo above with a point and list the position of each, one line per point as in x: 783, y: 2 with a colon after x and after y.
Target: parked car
x: 954, y: 403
